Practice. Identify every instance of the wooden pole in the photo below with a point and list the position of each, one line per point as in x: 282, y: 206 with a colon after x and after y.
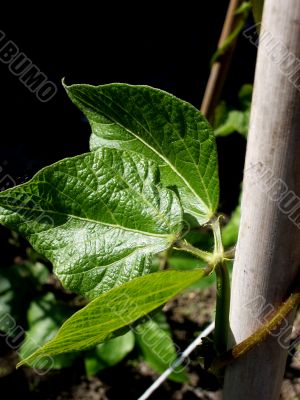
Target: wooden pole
x: 268, y: 249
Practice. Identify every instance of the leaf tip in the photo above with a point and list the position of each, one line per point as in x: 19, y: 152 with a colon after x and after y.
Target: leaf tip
x: 31, y: 358
x: 21, y: 363
x: 63, y: 82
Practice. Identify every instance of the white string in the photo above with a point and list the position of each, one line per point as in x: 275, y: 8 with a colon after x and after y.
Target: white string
x: 178, y: 362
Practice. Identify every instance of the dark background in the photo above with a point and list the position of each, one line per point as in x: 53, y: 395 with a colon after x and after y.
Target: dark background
x: 169, y: 50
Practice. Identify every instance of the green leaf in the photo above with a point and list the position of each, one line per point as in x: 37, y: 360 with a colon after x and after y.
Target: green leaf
x: 98, y: 217
x: 18, y: 284
x: 227, y: 121
x: 163, y: 128
x: 236, y: 121
x: 245, y: 96
x: 160, y: 319
x: 109, y: 353
x: 114, y: 350
x: 184, y: 261
x: 158, y: 349
x: 45, y: 316
x: 116, y: 309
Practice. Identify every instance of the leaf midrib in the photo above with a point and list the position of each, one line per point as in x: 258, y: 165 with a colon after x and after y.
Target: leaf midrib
x: 143, y: 312
x: 140, y: 195
x: 154, y: 150
x: 137, y: 296
x: 91, y: 221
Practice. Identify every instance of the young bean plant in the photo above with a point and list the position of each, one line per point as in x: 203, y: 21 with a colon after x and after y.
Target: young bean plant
x: 151, y: 176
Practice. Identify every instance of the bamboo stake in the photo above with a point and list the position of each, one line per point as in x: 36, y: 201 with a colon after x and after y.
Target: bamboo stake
x: 268, y: 249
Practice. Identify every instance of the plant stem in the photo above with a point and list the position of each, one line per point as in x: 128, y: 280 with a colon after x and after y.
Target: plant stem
x: 222, y: 308
x: 259, y: 335
x: 220, y: 68
x: 216, y: 263
x: 223, y: 291
x: 218, y: 245
x: 185, y: 246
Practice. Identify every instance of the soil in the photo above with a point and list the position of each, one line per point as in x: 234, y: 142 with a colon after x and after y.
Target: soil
x: 130, y: 379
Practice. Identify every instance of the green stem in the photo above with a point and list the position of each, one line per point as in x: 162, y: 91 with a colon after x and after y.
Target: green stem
x: 185, y: 246
x: 216, y: 263
x: 218, y: 246
x: 222, y: 308
x: 223, y: 291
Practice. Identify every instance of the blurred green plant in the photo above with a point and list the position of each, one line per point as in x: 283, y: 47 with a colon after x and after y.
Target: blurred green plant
x: 228, y: 120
